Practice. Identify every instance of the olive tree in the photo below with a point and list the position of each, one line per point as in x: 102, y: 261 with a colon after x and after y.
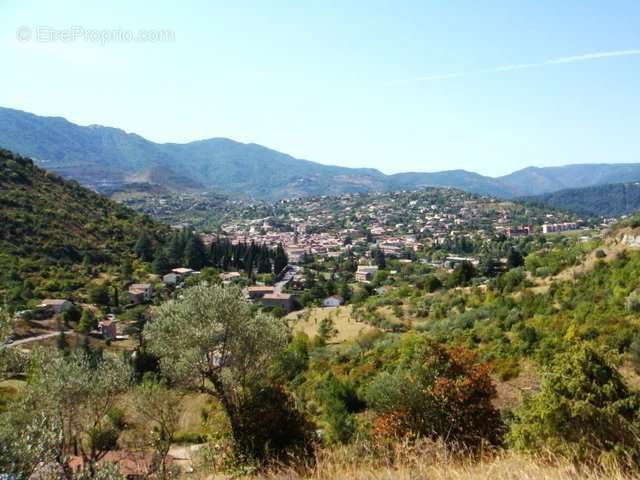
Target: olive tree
x: 159, y: 408
x: 211, y: 341
x: 11, y: 362
x: 63, y: 411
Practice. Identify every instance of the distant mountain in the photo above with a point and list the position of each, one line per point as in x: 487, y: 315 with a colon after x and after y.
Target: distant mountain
x: 599, y: 201
x: 105, y: 159
x: 536, y: 181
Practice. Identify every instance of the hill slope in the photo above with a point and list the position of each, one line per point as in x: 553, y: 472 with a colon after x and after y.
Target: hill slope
x: 105, y: 158
x: 600, y: 201
x: 49, y: 227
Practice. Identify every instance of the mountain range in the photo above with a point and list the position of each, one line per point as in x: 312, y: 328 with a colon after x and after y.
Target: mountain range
x: 105, y: 158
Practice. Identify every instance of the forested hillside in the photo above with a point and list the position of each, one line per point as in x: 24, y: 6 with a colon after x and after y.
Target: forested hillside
x: 51, y: 227
x: 600, y: 200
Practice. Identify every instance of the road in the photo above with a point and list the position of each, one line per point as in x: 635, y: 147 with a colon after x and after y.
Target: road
x: 37, y: 338
x: 278, y: 286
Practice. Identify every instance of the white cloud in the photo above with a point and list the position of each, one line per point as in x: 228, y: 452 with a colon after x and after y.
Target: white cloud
x: 523, y: 66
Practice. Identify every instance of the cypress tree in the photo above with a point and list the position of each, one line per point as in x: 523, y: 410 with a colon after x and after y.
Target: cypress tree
x: 144, y: 247
x: 195, y: 253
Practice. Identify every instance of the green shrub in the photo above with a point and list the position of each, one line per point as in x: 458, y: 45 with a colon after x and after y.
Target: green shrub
x: 583, y: 410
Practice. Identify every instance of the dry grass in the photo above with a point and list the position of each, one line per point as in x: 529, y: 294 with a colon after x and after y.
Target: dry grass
x: 434, y: 462
x: 308, y: 321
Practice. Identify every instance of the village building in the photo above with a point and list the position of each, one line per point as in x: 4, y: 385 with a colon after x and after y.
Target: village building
x: 332, y: 301
x: 259, y: 291
x: 54, y: 306
x: 365, y: 272
x: 278, y: 300
x: 184, y: 272
x: 107, y: 329
x: 140, y: 292
x: 228, y: 277
x: 171, y: 279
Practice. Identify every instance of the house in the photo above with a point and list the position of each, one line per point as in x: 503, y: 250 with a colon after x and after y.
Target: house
x: 171, y: 279
x: 54, y: 306
x: 259, y: 291
x: 107, y: 329
x: 228, y: 277
x: 365, y: 272
x: 140, y: 292
x: 279, y: 300
x: 333, y: 301
x: 183, y: 272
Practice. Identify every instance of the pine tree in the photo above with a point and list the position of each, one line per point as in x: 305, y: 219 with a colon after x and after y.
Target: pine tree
x: 160, y: 264
x: 195, y: 253
x: 144, y: 247
x: 379, y: 258
x: 87, y: 322
x: 514, y: 259
x: 126, y: 269
x: 175, y: 252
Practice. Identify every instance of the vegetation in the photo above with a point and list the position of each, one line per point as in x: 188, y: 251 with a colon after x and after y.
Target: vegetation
x: 57, y: 237
x: 610, y: 200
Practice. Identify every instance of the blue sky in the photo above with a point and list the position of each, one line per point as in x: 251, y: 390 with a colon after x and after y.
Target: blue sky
x: 488, y: 86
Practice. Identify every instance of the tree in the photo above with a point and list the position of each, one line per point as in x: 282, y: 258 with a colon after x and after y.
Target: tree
x: 489, y: 267
x: 379, y: 258
x: 432, y: 283
x: 126, y: 269
x: 87, y: 322
x: 327, y: 329
x: 175, y: 251
x: 195, y: 253
x: 280, y: 260
x: 144, y: 247
x: 10, y: 359
x: 62, y: 412
x: 72, y: 315
x: 583, y: 409
x: 514, y: 259
x: 62, y: 343
x: 461, y: 275
x: 160, y: 264
x: 339, y: 403
x: 211, y: 341
x: 99, y: 294
x: 436, y: 393
x: 159, y: 408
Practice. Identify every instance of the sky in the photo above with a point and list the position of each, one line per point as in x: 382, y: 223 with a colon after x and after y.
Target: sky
x: 483, y: 85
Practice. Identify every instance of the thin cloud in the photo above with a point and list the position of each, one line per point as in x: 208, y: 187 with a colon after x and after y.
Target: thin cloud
x: 522, y: 66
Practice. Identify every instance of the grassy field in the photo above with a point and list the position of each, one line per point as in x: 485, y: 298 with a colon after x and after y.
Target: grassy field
x: 308, y: 321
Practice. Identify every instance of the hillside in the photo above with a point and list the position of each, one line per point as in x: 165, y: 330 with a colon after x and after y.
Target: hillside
x: 49, y: 227
x: 537, y: 181
x: 600, y: 201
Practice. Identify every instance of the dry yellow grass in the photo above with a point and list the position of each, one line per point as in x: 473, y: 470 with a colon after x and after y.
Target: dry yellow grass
x: 308, y: 321
x: 433, y: 462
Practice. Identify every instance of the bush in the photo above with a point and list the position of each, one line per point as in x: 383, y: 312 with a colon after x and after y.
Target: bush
x: 583, y: 410
x: 632, y: 303
x: 436, y: 393
x: 271, y: 428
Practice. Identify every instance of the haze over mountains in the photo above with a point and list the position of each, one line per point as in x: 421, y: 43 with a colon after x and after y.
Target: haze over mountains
x: 105, y: 158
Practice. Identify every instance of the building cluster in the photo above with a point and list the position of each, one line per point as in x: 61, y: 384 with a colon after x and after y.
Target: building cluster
x: 559, y: 227
x: 398, y: 223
